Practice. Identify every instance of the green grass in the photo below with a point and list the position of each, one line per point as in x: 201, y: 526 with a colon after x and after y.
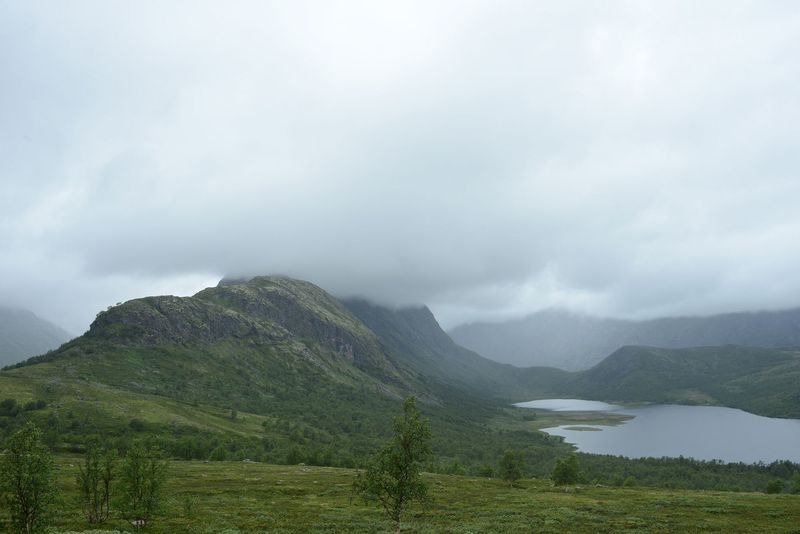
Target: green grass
x: 253, y: 497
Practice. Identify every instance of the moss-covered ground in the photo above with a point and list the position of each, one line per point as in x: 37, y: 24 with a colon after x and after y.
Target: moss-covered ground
x: 252, y: 497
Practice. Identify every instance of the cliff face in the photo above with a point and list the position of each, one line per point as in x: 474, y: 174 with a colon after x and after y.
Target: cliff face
x: 304, y: 311
x: 156, y: 320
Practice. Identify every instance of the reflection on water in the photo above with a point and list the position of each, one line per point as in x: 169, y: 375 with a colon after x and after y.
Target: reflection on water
x: 702, y: 432
x: 569, y: 405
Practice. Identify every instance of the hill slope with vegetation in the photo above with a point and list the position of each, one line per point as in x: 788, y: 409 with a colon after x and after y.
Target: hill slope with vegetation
x: 758, y: 380
x: 272, y: 369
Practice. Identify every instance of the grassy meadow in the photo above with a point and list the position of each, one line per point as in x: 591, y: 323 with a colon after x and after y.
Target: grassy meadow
x: 232, y: 497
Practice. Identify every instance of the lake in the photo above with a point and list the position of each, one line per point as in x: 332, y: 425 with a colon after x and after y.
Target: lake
x: 701, y: 432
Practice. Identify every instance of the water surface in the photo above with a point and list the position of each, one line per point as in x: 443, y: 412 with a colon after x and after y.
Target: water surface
x: 702, y: 432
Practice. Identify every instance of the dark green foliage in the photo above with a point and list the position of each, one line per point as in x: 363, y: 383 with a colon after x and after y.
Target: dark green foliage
x: 142, y: 479
x: 9, y: 408
x: 219, y: 454
x: 137, y: 425
x: 775, y: 486
x: 94, y: 481
x: 567, y: 471
x: 685, y: 473
x: 510, y: 466
x: 392, y: 476
x: 26, y: 480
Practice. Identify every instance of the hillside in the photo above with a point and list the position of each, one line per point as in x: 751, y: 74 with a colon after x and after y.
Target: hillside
x: 572, y: 341
x: 758, y: 380
x: 23, y: 334
x: 277, y: 352
x: 413, y: 338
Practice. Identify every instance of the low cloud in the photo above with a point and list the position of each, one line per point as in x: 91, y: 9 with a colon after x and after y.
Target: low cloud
x: 489, y: 159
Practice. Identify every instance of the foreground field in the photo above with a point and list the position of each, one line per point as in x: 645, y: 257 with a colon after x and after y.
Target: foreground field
x: 252, y: 497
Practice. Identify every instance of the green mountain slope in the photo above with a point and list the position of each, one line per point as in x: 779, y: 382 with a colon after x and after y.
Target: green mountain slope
x: 414, y: 340
x: 281, y: 352
x: 758, y: 380
x: 23, y: 334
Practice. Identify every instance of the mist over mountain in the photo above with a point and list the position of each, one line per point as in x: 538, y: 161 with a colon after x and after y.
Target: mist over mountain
x: 23, y: 334
x: 574, y: 341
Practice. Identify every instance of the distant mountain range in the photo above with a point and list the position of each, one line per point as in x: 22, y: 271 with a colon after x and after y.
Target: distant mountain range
x: 23, y: 334
x: 572, y: 341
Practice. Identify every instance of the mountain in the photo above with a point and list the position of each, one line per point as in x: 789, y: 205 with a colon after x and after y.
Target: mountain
x: 759, y: 380
x: 23, y: 334
x: 573, y: 341
x: 413, y: 338
x: 270, y: 368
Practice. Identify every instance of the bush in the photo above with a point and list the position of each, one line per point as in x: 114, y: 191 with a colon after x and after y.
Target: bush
x: 566, y: 471
x: 775, y: 486
x: 219, y: 454
x: 136, y: 425
x: 510, y: 466
x: 9, y: 408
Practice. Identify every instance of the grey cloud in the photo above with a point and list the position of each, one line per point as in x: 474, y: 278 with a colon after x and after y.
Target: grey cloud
x: 634, y: 159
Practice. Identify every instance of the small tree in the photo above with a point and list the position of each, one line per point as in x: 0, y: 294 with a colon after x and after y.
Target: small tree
x: 94, y: 481
x: 392, y: 476
x: 26, y: 477
x: 567, y: 471
x: 142, y: 480
x: 511, y: 464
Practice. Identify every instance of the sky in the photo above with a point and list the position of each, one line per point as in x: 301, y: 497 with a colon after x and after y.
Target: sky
x: 489, y: 159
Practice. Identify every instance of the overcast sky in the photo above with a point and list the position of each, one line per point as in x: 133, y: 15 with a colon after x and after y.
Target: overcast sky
x: 630, y: 159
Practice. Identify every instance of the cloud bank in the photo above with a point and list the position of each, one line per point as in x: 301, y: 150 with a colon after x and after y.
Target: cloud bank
x: 632, y: 159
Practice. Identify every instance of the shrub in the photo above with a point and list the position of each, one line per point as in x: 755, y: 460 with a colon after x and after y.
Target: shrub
x: 566, y: 471
x: 510, y: 466
x: 775, y: 486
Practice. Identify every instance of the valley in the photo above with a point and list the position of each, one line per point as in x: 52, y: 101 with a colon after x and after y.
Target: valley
x: 261, y: 375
